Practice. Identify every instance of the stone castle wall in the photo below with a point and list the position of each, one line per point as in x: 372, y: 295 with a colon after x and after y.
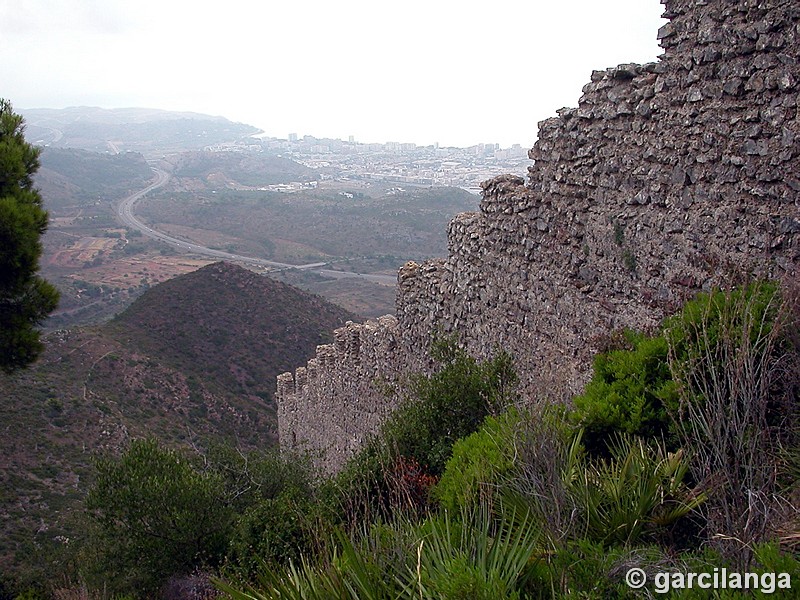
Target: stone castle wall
x: 664, y: 178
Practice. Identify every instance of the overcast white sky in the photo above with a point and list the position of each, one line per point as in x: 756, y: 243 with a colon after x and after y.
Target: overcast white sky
x: 423, y: 71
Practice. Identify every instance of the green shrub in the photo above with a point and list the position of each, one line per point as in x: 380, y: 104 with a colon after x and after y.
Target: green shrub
x: 258, y: 475
x: 635, y: 388
x: 480, y: 554
x: 448, y: 405
x: 743, y: 316
x: 275, y: 531
x: 768, y: 558
x: 736, y: 358
x: 356, y: 495
x: 479, y: 463
x: 348, y: 574
x: 627, y: 393
x: 415, y: 443
x: 738, y: 345
x: 636, y: 492
x: 546, y: 452
x: 581, y: 569
x: 31, y: 594
x: 157, y: 514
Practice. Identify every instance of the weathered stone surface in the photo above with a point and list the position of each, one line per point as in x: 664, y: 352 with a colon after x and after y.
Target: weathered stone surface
x: 663, y: 177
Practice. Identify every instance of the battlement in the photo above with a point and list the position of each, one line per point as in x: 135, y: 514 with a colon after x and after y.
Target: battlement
x: 663, y: 179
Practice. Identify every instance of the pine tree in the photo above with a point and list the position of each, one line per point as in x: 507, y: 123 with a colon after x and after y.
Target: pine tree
x: 25, y: 298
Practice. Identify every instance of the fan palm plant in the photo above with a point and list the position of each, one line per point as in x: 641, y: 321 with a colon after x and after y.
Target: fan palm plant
x: 641, y: 487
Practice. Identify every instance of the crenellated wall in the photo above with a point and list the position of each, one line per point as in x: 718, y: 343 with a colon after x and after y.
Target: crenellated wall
x: 663, y: 179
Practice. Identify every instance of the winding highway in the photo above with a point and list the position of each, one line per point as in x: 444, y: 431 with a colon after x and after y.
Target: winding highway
x: 125, y: 213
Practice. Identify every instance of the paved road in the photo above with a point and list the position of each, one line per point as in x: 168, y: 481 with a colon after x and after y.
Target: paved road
x: 384, y: 279
x: 125, y: 212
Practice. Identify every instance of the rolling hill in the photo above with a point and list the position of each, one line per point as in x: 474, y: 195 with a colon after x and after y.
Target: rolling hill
x: 145, y: 130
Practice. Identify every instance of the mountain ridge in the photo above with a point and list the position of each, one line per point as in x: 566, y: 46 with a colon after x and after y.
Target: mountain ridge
x: 150, y: 131
x: 117, y: 115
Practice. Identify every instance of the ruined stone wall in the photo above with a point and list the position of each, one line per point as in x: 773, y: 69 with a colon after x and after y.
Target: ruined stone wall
x: 331, y: 405
x: 663, y: 180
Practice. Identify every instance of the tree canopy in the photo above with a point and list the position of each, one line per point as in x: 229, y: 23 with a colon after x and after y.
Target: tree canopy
x: 25, y: 298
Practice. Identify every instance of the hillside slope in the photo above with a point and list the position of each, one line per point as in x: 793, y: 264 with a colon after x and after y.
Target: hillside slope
x: 70, y: 179
x: 192, y: 361
x: 239, y: 328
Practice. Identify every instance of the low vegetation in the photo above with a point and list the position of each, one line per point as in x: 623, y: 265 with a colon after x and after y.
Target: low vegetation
x: 313, y: 225
x: 551, y: 501
x: 681, y: 455
x: 74, y: 179
x: 239, y: 330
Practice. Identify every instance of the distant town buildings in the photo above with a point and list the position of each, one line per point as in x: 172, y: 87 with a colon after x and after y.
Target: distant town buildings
x: 397, y: 162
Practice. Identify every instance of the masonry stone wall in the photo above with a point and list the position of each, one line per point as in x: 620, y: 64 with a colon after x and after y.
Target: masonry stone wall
x: 663, y: 180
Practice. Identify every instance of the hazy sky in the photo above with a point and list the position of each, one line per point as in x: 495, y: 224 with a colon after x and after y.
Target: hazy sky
x: 424, y: 71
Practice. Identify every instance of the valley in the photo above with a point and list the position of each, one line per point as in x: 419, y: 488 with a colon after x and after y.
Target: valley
x: 344, y: 245
x: 153, y: 336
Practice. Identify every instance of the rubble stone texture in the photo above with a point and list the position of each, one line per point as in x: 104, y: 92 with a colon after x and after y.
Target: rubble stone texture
x: 666, y: 178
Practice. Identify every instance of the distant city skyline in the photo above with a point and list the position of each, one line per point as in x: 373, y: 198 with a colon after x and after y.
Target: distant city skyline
x: 421, y: 72
x: 293, y: 137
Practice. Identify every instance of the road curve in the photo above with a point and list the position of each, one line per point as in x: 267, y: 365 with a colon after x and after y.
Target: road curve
x: 126, y: 215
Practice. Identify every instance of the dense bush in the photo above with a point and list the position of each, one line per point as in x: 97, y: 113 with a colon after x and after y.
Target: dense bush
x: 158, y: 514
x: 548, y: 449
x: 256, y: 476
x: 479, y: 463
x: 481, y: 554
x: 584, y: 569
x: 449, y: 404
x: 397, y: 468
x: 273, y: 531
x: 736, y: 359
x: 635, y: 493
x: 721, y: 345
x: 627, y: 393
